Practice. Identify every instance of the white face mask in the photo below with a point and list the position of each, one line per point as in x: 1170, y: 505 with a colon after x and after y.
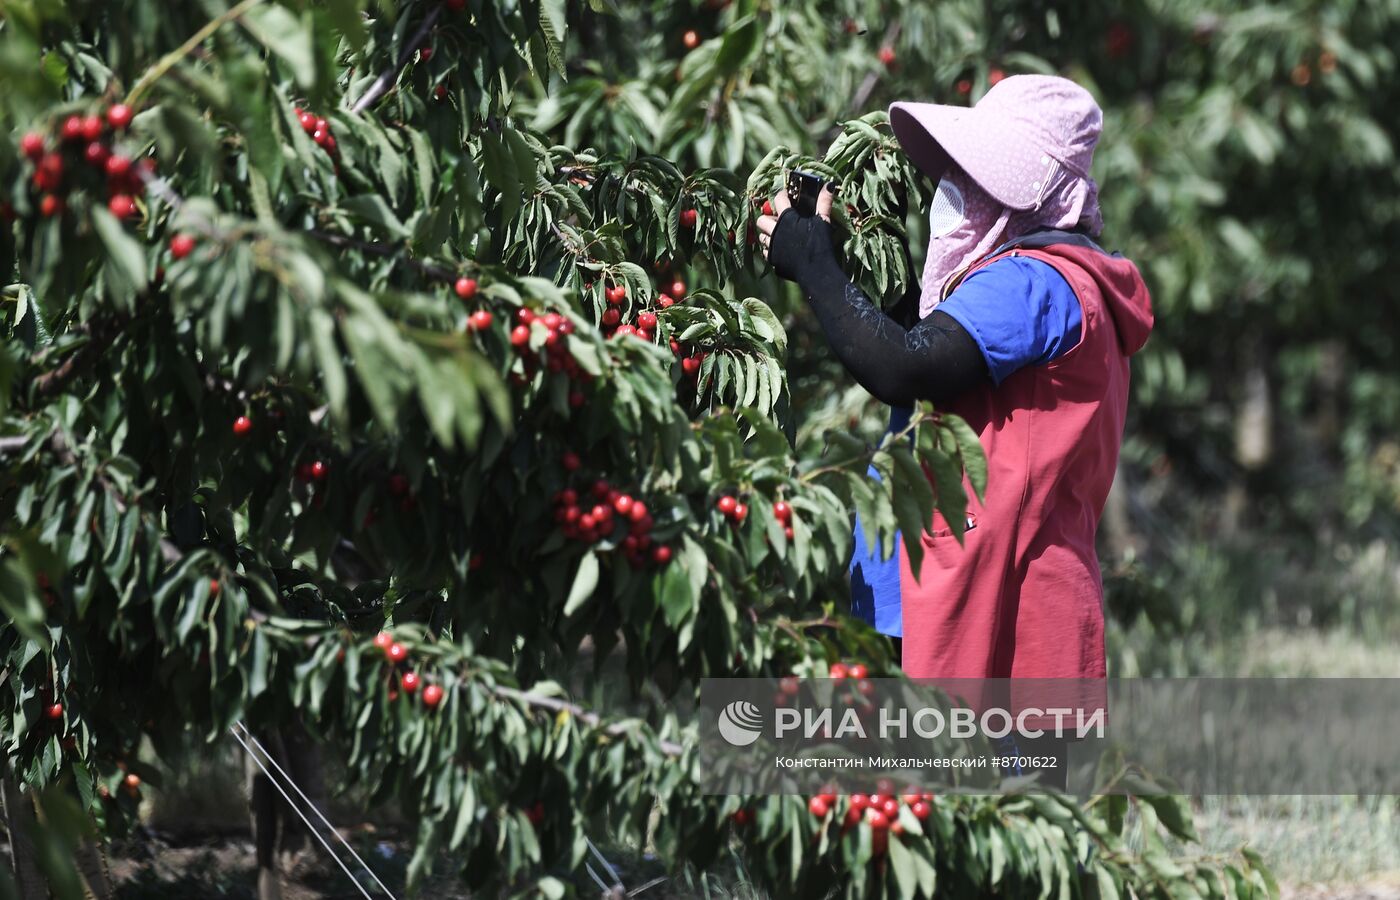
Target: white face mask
x: 947, y: 212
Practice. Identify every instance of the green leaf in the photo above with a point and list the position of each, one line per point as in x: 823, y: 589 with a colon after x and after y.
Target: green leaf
x: 974, y: 458
x: 279, y: 31
x: 124, y: 251
x: 375, y: 209
x: 585, y: 582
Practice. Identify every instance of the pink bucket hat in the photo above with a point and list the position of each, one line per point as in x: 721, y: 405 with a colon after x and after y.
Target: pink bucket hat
x: 1028, y: 143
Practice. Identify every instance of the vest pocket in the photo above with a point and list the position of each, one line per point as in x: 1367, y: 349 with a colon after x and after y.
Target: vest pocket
x: 941, y: 530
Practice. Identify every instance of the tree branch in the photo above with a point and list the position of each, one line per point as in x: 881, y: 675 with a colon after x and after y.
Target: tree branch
x: 100, y: 337
x: 386, y: 78
x: 867, y: 87
x: 554, y: 704
x: 384, y: 250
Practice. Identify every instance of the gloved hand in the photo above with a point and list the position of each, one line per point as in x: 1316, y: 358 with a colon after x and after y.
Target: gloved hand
x: 811, y: 240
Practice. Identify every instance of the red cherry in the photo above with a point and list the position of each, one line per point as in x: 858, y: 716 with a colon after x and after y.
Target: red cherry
x: 118, y: 166
x: 321, y: 137
x: 742, y: 817
x: 396, y: 653
x: 625, y: 329
x: 964, y: 86
x: 782, y: 512
x: 132, y: 780
x: 425, y: 53
x: 838, y: 670
x: 570, y: 461
x: 887, y: 55
x: 440, y: 92
x: 119, y: 116
x: 859, y: 802
x: 768, y: 207
x: 51, y: 168
x: 677, y: 289
x: 308, y: 122
x: 787, y: 532
x: 480, y: 320
x: 524, y: 315
x: 623, y: 505
x: 610, y: 318
x: 383, y: 640
x: 857, y: 670
x: 890, y: 808
x: 409, y: 682
x: 576, y: 399
x: 181, y: 245
x: 741, y: 511
x: 818, y: 807
x: 214, y: 587
x: 646, y: 320
x: 92, y: 128
x: 726, y: 505
x: 995, y: 76
x: 920, y: 809
x: 466, y: 288
x: 50, y: 206
x: 688, y: 218
x: 242, y: 425
x: 690, y: 365
x: 877, y: 819
x: 432, y: 696
x: 122, y: 206
x: 665, y: 302
x: 691, y: 39
x: 55, y: 711
x: 455, y: 5
x: 520, y: 336
x: 72, y: 129
x: 32, y: 145
x: 552, y: 321
x: 616, y: 294
x: 318, y: 470
x: 661, y: 555
x: 97, y: 154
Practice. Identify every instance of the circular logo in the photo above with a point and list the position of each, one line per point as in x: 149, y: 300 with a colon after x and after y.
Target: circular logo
x: 740, y: 723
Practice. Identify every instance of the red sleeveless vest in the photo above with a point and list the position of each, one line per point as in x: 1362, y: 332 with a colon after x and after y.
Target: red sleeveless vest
x: 1022, y: 596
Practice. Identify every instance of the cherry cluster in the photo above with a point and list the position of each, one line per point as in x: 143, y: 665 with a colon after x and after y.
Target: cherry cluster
x: 86, y: 141
x: 732, y: 509
x: 690, y: 359
x: 643, y: 327
x: 879, y: 810
x: 556, y: 327
x: 396, y: 655
x: 612, y: 512
x: 319, y: 129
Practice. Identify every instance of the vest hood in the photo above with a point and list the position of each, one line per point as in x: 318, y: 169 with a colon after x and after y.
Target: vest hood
x: 1124, y: 292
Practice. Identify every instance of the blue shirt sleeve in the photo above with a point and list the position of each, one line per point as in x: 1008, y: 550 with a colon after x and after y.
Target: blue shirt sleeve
x: 1020, y: 311
x: 875, y: 582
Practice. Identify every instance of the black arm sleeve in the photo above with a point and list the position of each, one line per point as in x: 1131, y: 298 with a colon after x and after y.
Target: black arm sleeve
x: 935, y: 359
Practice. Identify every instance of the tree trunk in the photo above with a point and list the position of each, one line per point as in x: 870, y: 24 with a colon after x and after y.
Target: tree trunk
x: 19, y: 819
x: 279, y: 835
